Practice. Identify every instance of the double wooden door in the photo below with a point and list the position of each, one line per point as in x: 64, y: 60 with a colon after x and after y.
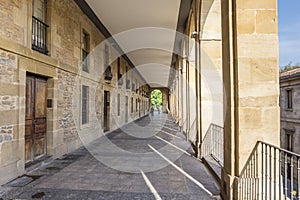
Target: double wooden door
x: 35, y: 118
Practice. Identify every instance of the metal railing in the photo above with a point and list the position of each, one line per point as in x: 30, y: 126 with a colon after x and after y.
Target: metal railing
x: 213, y: 144
x: 270, y: 173
x: 39, y: 35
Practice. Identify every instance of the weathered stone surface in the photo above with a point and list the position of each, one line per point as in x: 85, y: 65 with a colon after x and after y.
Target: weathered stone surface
x: 246, y: 21
x: 8, y: 102
x: 11, y: 28
x: 66, y: 122
x: 6, y: 133
x: 8, y: 67
x: 20, y: 182
x: 266, y: 21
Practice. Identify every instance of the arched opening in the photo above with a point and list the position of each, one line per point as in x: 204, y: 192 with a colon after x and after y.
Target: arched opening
x: 156, y: 101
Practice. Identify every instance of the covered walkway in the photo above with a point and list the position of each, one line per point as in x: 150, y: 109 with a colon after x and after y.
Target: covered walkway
x: 74, y: 73
x: 79, y: 175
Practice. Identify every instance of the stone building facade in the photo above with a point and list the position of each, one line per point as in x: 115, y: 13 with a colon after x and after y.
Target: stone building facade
x: 42, y: 59
x: 290, y: 109
x: 59, y: 78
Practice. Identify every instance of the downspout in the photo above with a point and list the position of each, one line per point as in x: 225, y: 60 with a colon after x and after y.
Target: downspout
x: 198, y: 78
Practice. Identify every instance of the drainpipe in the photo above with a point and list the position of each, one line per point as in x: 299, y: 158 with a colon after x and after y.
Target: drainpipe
x: 198, y: 78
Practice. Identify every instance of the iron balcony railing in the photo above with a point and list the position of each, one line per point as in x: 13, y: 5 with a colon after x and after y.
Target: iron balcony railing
x: 39, y: 35
x: 270, y: 173
x: 213, y: 144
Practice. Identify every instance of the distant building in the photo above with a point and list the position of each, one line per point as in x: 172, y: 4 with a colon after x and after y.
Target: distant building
x: 290, y: 110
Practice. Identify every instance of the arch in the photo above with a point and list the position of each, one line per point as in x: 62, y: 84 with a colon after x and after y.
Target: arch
x: 156, y: 99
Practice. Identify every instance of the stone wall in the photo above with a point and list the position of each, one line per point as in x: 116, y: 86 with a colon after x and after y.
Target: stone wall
x: 250, y: 74
x: 66, y: 32
x: 6, y: 133
x: 66, y: 81
x: 9, y: 101
x: 8, y: 67
x: 211, y: 69
x: 62, y: 68
x: 12, y: 20
x: 289, y: 118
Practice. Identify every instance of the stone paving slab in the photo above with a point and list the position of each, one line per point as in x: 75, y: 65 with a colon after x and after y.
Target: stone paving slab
x: 79, y: 175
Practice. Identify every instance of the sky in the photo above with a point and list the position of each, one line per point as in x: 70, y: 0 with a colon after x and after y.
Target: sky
x: 289, y: 31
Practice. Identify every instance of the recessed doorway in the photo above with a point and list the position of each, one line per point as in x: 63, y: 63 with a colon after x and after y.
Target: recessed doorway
x: 35, y: 118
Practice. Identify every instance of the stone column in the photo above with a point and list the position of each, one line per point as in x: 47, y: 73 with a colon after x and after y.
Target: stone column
x: 250, y: 73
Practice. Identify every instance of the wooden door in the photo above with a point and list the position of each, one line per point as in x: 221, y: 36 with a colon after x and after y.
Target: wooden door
x: 106, y: 111
x: 35, y: 118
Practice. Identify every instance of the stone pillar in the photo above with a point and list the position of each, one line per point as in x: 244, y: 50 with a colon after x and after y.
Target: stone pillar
x: 184, y: 97
x: 250, y: 74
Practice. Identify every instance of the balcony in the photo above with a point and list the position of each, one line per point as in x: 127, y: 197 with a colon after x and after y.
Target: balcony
x: 39, y: 35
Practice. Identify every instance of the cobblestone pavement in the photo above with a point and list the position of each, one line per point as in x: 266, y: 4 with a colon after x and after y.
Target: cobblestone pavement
x: 79, y: 175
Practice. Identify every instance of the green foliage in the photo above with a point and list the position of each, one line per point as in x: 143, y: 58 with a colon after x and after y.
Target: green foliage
x: 289, y: 67
x: 156, y: 97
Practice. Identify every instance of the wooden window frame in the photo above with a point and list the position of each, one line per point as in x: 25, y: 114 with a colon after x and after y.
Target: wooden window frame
x: 39, y: 32
x: 85, y: 51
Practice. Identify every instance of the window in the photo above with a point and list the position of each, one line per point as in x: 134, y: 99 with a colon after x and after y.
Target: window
x: 126, y: 72
x: 289, y: 98
x: 106, y: 56
x: 127, y: 78
x: 39, y: 26
x: 120, y: 80
x: 289, y: 140
x: 131, y: 105
x: 136, y: 105
x: 119, y: 67
x: 119, y: 104
x: 85, y: 51
x: 85, y: 105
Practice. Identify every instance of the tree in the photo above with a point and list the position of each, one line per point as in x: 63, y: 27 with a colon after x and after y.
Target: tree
x: 156, y: 98
x: 289, y: 67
